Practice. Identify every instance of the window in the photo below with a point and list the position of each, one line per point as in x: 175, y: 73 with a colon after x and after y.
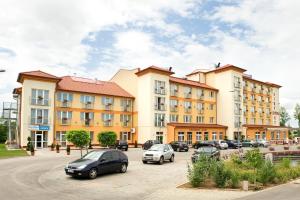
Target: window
x: 87, y: 101
x: 108, y: 102
x: 189, y: 138
x: 40, y: 97
x: 187, y: 118
x: 160, y: 136
x: 159, y: 120
x: 252, y: 121
x: 91, y: 136
x: 64, y: 98
x: 60, y: 137
x: 126, y: 105
x: 107, y: 156
x: 211, y: 120
x: 198, y: 136
x: 187, y: 92
x: 252, y: 97
x: 211, y: 106
x: 200, y: 107
x: 187, y: 106
x: 64, y: 117
x: 125, y: 119
x: 180, y: 136
x: 214, y: 135
x: 200, y: 119
x: 173, y: 105
x: 124, y: 136
x: 205, y: 135
x: 211, y: 94
x: 272, y: 135
x: 237, y: 122
x: 221, y: 136
x: 278, y: 135
x: 237, y: 82
x: 263, y: 136
x: 173, y: 118
x: 87, y: 118
x: 200, y: 93
x: 107, y: 119
x: 159, y: 87
x: 252, y: 109
x: 160, y: 103
x: 39, y: 116
x: 173, y: 90
x: 257, y: 135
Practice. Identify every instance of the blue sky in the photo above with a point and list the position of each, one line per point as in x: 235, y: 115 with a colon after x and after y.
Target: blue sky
x: 96, y: 38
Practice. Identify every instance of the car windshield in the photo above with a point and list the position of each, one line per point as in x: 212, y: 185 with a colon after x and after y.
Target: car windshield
x: 94, y: 155
x: 206, y: 150
x: 157, y: 147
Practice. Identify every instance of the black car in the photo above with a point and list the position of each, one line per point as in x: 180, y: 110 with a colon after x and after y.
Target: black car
x: 149, y: 144
x: 179, y: 146
x: 197, y: 145
x: 208, y: 151
x: 232, y: 144
x: 98, y: 162
x: 122, y: 145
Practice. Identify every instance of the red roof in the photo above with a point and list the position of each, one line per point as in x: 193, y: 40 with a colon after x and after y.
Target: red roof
x: 38, y: 73
x: 196, y: 125
x: 261, y: 82
x: 85, y: 85
x: 262, y: 126
x: 189, y: 82
x: 227, y: 67
x: 154, y: 69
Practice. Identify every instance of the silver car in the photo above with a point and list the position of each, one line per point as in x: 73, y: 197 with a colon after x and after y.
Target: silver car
x: 159, y: 153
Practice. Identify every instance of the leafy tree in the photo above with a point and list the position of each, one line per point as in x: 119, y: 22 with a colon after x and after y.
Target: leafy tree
x: 255, y: 160
x: 297, y: 114
x: 3, y: 133
x: 107, y: 138
x: 284, y: 116
x: 80, y: 138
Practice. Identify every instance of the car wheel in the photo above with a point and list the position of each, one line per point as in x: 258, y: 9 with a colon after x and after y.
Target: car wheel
x: 123, y: 168
x: 93, y: 173
x: 126, y: 149
x: 161, y: 160
x: 145, y: 162
x: 172, y: 158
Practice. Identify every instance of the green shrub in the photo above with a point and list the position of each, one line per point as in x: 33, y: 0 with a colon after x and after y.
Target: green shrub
x: 254, y: 158
x: 248, y: 175
x: 199, y: 172
x: 29, y: 144
x: 286, y: 163
x: 220, y: 175
x: 3, y: 133
x: 107, y: 138
x: 266, y: 173
x: 234, y: 178
x: 80, y: 138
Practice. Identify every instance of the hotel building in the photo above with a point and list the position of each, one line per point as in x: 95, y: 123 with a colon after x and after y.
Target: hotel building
x: 151, y: 103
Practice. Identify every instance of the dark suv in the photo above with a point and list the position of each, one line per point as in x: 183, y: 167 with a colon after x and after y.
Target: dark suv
x: 149, y: 144
x: 179, y: 146
x: 122, y: 145
x: 197, y: 145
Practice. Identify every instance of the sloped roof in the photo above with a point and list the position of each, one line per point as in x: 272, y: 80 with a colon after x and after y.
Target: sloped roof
x: 38, y: 74
x: 76, y: 84
x: 196, y: 125
x: 227, y: 67
x: 191, y: 83
x: 154, y: 69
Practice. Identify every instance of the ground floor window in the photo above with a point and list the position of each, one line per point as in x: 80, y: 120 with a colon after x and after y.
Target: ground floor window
x: 160, y: 136
x: 198, y: 136
x: 125, y: 136
x: 189, y: 138
x: 284, y: 135
x: 214, y: 135
x: 272, y: 135
x: 180, y: 136
x: 263, y: 135
x: 221, y: 136
x: 39, y: 139
x: 91, y: 136
x: 60, y: 138
x: 205, y: 135
x: 278, y: 135
x: 257, y: 135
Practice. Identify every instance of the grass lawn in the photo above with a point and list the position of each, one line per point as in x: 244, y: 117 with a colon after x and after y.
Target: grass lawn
x: 4, y: 153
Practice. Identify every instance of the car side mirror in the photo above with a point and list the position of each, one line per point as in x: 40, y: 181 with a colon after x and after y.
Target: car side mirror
x: 102, y: 159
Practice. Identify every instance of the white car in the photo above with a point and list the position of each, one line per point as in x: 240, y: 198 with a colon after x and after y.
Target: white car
x: 159, y: 153
x: 223, y: 144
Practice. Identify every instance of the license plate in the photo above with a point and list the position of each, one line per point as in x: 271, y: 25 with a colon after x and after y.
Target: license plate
x: 70, y: 170
x: 148, y: 158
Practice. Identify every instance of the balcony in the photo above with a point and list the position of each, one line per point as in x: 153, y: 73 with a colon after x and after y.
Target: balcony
x: 108, y: 106
x: 188, y: 110
x: 64, y: 122
x: 126, y: 108
x: 174, y: 93
x: 39, y: 121
x: 88, y: 105
x: 87, y: 122
x: 200, y: 111
x: 174, y: 108
x: 39, y: 101
x: 237, y: 98
x: 200, y: 97
x: 188, y: 95
x: 64, y: 104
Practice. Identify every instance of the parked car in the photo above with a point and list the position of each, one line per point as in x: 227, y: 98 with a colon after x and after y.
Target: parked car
x: 197, y: 145
x: 249, y: 143
x: 263, y: 143
x: 149, y: 144
x: 223, y: 144
x: 179, y: 146
x: 159, y: 153
x: 209, y: 151
x: 232, y: 144
x: 98, y: 162
x: 122, y: 145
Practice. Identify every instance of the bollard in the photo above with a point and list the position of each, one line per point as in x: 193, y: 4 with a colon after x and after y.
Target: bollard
x: 245, y: 185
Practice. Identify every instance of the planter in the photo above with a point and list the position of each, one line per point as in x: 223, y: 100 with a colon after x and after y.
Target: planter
x: 32, y: 153
x: 57, y: 151
x: 52, y: 149
x: 68, y: 153
x: 286, y: 148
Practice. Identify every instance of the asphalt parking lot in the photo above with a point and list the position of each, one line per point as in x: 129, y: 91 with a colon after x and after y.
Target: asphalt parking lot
x: 43, y: 177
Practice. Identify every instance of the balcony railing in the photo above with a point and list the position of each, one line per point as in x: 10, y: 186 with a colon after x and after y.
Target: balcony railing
x: 88, y: 105
x: 200, y: 97
x: 64, y: 121
x: 173, y: 108
x: 188, y: 95
x: 108, y: 123
x: 39, y: 101
x: 87, y: 122
x: 160, y: 107
x: 188, y: 110
x: 64, y: 104
x: 108, y: 106
x: 174, y: 93
x: 126, y: 123
x: 126, y: 108
x: 39, y: 121
x: 200, y: 111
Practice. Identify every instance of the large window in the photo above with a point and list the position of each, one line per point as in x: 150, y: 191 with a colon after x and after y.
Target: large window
x: 173, y: 118
x: 187, y: 92
x: 257, y: 135
x: 64, y: 98
x: 108, y: 102
x: 205, y: 135
x: 173, y: 105
x: 214, y: 135
x: 40, y: 97
x: 125, y: 119
x: 159, y: 136
x: 200, y: 93
x: 180, y: 136
x: 187, y: 118
x: 87, y: 118
x: 159, y: 120
x: 107, y: 119
x: 87, y: 101
x: 200, y: 107
x: 64, y: 117
x: 126, y: 105
x: 39, y: 116
x: 221, y: 136
x: 60, y: 137
x: 187, y: 106
x: 200, y: 119
x: 173, y: 90
x: 198, y: 136
x: 160, y: 87
x: 211, y: 120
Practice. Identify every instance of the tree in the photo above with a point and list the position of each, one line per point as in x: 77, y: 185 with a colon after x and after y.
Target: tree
x: 3, y: 133
x: 107, y: 138
x: 297, y: 114
x: 80, y: 138
x: 284, y: 116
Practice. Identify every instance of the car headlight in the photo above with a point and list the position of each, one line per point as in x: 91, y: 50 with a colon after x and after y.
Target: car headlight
x: 81, y: 167
x: 67, y: 166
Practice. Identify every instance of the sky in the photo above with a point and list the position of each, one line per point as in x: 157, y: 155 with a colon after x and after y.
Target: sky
x: 95, y: 38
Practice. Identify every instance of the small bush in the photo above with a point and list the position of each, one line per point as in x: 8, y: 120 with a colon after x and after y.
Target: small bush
x: 199, y: 172
x: 221, y: 175
x: 266, y: 173
x: 248, y: 175
x: 285, y: 163
x: 234, y: 179
x: 107, y: 138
